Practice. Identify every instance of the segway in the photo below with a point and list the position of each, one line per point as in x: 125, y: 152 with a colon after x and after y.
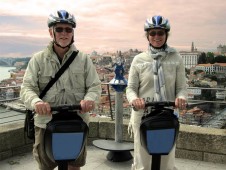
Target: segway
x: 159, y: 130
x: 65, y: 135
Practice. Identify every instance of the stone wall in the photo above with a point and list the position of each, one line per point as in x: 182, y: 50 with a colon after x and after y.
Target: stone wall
x: 197, y: 143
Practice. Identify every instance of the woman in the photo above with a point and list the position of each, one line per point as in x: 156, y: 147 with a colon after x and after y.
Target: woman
x: 155, y: 75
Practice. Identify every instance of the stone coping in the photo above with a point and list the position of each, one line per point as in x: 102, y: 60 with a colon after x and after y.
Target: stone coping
x: 197, y: 143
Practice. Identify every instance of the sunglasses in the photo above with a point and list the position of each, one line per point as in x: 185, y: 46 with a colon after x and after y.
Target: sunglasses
x: 61, y: 29
x: 154, y: 33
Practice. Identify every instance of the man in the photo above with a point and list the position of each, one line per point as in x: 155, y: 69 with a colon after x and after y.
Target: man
x: 78, y: 84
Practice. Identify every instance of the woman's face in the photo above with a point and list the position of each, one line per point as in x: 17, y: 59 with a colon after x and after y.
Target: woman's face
x: 157, y: 37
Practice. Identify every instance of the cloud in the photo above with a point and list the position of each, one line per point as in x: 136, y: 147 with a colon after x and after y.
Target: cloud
x: 113, y: 25
x: 21, y: 46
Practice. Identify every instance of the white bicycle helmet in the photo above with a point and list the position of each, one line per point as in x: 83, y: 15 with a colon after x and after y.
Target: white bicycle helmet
x: 157, y: 21
x: 61, y: 16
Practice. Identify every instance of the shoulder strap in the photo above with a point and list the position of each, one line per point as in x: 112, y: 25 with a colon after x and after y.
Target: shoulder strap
x: 58, y: 74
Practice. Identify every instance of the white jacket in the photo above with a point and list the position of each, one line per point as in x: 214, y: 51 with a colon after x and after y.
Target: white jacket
x: 141, y: 85
x: 141, y: 78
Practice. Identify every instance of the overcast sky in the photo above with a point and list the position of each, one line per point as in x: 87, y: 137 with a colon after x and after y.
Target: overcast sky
x: 104, y: 25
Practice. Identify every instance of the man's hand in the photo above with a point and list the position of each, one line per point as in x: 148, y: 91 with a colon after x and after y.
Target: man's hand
x: 42, y: 108
x: 87, y: 105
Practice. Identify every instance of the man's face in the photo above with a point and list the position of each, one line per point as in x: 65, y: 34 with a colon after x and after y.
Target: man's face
x: 63, y: 33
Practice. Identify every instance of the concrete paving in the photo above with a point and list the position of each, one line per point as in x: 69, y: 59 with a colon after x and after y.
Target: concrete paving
x: 97, y: 160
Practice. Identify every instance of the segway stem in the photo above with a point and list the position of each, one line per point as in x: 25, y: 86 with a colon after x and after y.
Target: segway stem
x: 156, y: 162
x: 62, y: 165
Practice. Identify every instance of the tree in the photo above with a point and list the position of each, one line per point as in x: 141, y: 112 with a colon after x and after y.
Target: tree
x: 198, y: 72
x: 207, y: 94
x: 210, y: 58
x: 210, y: 76
x: 187, y: 72
x: 220, y: 59
x: 202, y: 58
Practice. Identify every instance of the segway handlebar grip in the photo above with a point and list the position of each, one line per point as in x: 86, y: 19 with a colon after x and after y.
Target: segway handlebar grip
x: 157, y: 104
x: 160, y: 104
x: 66, y: 107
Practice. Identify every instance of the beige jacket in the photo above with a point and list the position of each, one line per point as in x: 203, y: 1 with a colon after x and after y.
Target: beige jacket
x: 80, y: 81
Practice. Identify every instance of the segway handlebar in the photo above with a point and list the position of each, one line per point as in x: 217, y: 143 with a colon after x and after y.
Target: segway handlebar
x: 160, y: 104
x: 66, y: 107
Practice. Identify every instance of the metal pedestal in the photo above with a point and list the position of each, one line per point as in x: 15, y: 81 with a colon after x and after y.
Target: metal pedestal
x: 118, y: 152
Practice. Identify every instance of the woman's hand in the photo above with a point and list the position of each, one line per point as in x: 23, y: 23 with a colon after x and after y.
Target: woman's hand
x: 138, y: 103
x: 180, y: 103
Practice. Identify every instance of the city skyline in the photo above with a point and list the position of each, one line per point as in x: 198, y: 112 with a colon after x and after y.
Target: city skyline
x: 110, y: 26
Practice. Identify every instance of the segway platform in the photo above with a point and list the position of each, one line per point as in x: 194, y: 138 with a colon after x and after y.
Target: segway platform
x: 159, y: 130
x: 65, y: 135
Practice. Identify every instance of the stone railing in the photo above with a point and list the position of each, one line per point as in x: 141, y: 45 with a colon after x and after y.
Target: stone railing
x: 198, y: 143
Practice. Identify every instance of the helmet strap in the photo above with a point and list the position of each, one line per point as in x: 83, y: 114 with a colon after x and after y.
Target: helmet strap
x: 72, y: 41
x: 163, y: 46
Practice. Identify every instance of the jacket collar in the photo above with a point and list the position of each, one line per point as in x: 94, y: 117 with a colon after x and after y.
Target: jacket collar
x: 51, y: 55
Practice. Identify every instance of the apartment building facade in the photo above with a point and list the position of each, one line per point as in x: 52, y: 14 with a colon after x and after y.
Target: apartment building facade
x: 212, y: 68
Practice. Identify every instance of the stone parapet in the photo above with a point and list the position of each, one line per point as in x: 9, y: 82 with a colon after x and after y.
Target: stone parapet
x: 197, y: 143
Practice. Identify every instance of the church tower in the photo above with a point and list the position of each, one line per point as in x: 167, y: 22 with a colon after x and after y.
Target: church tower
x: 192, y: 47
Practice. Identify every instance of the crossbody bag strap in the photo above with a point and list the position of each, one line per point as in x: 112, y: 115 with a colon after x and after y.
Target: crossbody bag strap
x: 58, y: 74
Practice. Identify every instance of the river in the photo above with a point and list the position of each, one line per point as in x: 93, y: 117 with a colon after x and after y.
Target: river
x: 4, y: 72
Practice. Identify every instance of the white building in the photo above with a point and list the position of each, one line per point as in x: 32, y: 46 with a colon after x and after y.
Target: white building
x: 10, y: 94
x: 221, y: 95
x: 221, y: 49
x: 193, y: 92
x: 190, y: 57
x: 212, y: 68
